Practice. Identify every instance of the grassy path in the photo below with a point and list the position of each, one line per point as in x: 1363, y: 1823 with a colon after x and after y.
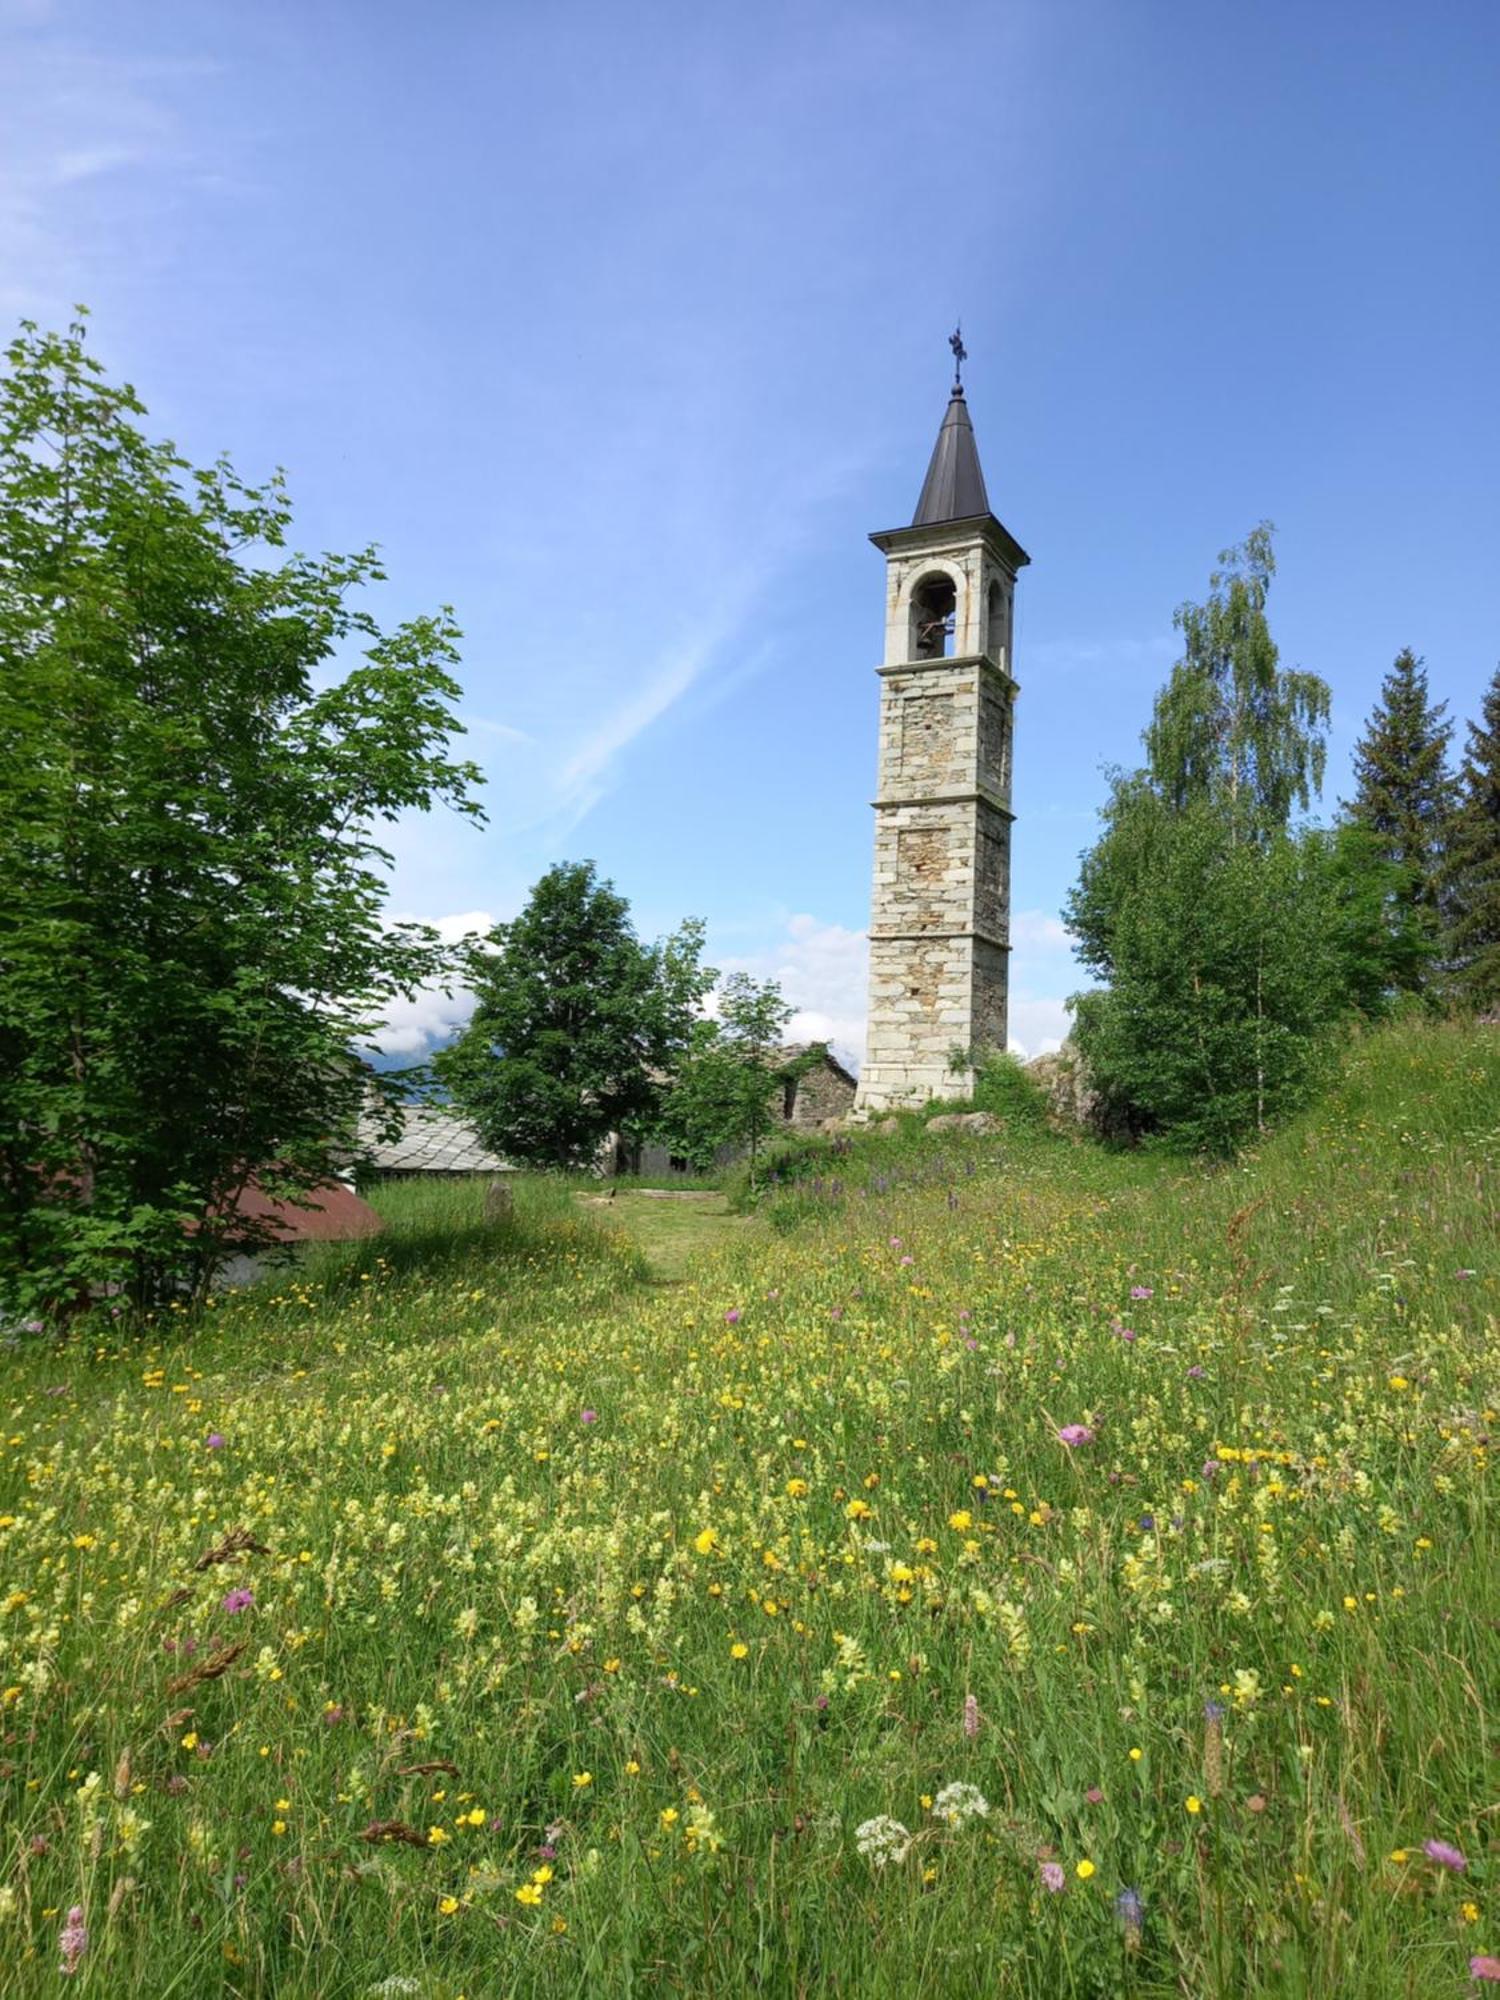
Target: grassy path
x: 672, y: 1230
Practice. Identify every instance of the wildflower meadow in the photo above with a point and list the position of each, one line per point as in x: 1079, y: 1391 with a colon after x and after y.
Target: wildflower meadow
x: 1001, y: 1568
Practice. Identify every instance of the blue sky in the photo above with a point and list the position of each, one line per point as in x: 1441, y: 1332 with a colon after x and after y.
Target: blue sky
x: 621, y: 327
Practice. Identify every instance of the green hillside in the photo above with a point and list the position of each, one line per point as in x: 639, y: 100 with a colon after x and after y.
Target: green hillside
x: 1005, y: 1568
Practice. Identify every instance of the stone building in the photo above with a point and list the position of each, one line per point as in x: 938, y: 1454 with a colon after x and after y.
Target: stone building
x: 823, y: 1090
x: 940, y: 914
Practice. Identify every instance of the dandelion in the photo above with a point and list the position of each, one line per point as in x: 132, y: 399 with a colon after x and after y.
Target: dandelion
x: 739, y: 1650
x: 959, y: 1803
x: 1084, y: 1869
x: 582, y: 1780
x: 1194, y: 1804
x: 882, y: 1840
x: 1444, y: 1855
x: 73, y: 1941
x: 1054, y: 1881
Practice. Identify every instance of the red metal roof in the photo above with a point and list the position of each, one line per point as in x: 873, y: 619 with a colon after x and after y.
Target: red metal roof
x: 337, y: 1214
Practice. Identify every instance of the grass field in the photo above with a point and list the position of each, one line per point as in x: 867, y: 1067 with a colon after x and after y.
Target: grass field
x: 1003, y: 1569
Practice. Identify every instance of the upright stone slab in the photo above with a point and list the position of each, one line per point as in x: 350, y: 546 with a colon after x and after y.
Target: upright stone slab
x: 940, y: 915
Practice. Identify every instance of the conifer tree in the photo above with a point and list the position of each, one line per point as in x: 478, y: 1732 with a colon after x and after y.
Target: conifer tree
x: 1405, y: 796
x: 1473, y: 869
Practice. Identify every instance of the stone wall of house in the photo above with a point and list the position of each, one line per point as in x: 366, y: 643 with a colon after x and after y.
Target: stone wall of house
x: 821, y: 1092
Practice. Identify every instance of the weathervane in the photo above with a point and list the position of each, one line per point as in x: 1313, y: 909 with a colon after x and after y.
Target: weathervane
x: 960, y: 355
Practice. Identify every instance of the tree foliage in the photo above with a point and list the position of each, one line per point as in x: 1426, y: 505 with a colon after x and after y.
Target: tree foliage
x: 723, y: 1090
x: 1472, y: 871
x: 577, y: 1023
x: 1232, y: 725
x: 1404, y: 800
x: 191, y: 938
x: 1228, y: 941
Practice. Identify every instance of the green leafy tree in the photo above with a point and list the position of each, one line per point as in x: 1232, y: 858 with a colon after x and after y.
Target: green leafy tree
x: 1404, y: 800
x: 1472, y: 873
x: 577, y: 1022
x: 191, y: 884
x: 724, y: 1091
x: 1228, y: 942
x: 1232, y: 724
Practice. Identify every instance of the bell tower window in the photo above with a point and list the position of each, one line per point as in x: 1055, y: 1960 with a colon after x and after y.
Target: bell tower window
x: 933, y: 606
x: 994, y: 622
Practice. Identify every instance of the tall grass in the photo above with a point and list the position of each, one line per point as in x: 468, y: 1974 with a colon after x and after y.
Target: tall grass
x: 599, y: 1626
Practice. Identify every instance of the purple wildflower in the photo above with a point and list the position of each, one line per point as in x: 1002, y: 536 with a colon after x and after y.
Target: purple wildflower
x: 214, y: 1441
x: 1130, y: 1912
x: 588, y: 1417
x: 73, y: 1941
x: 1142, y: 1292
x: 1467, y: 1274
x: 971, y: 1716
x: 239, y: 1600
x: 1484, y: 1966
x: 1053, y: 1879
x: 1444, y: 1855
x: 732, y: 1317
x: 1075, y: 1434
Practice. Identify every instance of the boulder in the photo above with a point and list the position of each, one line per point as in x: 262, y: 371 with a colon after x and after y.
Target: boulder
x: 977, y: 1124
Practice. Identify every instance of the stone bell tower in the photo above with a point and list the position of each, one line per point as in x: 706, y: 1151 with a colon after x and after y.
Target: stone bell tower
x: 940, y: 916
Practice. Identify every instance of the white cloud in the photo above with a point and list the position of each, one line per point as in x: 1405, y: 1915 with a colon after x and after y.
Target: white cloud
x: 1038, y: 930
x: 823, y: 972
x: 431, y: 1017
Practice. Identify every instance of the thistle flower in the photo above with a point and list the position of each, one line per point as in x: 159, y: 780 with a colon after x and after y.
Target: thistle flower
x: 1075, y: 1434
x: 238, y: 1600
x: 1444, y: 1855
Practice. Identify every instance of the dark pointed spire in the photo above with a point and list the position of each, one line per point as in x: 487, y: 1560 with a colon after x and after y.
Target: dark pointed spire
x: 954, y: 487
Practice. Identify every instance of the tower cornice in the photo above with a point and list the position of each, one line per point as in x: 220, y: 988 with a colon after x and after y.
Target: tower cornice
x: 953, y: 662
x: 934, y: 536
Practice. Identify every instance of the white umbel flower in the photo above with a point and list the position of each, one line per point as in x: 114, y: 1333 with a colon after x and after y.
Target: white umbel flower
x: 881, y: 1840
x: 955, y: 1805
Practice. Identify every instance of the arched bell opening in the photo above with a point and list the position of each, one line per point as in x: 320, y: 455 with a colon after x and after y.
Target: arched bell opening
x: 934, y: 607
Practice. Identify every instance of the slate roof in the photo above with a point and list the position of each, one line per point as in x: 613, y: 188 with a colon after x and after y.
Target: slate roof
x: 793, y: 1050
x: 433, y: 1141
x: 954, y: 487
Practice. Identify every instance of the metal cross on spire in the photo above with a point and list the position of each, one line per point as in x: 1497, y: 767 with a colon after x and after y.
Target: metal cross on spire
x: 960, y: 355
